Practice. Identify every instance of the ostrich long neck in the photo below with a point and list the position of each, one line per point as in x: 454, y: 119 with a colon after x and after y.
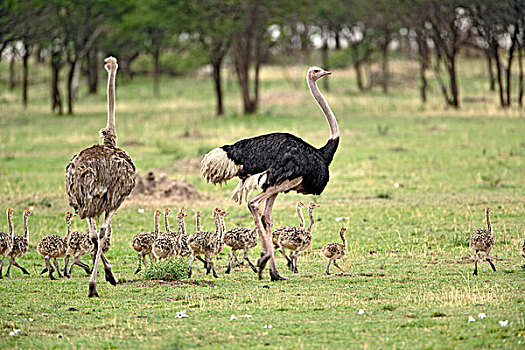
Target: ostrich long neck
x: 26, y: 228
x: 489, y: 225
x: 198, y: 223
x: 223, y: 227
x: 216, y: 218
x: 110, y: 138
x: 311, y: 214
x: 332, y: 122
x: 343, y: 239
x: 156, y: 225
x: 301, y: 217
x: 166, y: 222
x: 10, y: 222
x: 181, y: 225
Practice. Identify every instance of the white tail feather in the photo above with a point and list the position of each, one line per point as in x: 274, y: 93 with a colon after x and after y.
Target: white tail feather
x: 243, y: 189
x: 217, y: 168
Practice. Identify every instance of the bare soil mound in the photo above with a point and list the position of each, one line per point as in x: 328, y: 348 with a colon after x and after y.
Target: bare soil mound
x: 154, y: 187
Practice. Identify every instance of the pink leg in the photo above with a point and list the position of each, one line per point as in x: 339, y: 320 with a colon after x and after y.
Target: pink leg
x: 101, y: 239
x: 265, y: 230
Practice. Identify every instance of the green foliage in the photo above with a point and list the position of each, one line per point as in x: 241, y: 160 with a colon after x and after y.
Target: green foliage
x: 169, y: 270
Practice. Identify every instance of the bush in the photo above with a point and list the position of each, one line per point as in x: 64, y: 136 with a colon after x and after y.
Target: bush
x: 169, y: 270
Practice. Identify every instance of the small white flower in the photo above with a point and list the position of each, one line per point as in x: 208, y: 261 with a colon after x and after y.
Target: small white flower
x: 504, y: 323
x: 181, y: 314
x: 471, y: 319
x: 141, y: 211
x: 233, y: 317
x: 342, y: 218
x: 396, y: 185
x: 360, y: 312
x: 481, y: 315
x: 267, y: 326
x: 247, y: 316
x: 14, y: 332
x: 31, y: 319
x: 31, y: 208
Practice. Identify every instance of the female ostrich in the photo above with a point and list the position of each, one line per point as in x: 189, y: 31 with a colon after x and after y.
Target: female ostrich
x: 20, y: 246
x: 482, y: 240
x: 98, y: 179
x: 275, y: 163
x: 6, y: 239
x: 334, y: 251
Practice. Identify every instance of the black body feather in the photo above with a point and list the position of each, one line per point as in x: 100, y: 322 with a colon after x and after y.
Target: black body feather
x: 284, y: 157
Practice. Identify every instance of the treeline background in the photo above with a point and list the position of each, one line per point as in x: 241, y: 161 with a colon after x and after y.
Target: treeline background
x: 177, y: 37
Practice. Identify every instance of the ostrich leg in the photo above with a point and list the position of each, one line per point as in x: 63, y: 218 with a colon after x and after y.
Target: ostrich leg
x: 490, y: 261
x: 328, y: 267
x: 335, y: 263
x: 475, y: 263
x: 265, y: 233
x: 100, y: 239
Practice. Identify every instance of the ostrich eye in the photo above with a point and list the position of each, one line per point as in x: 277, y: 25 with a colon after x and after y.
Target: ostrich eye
x: 316, y: 71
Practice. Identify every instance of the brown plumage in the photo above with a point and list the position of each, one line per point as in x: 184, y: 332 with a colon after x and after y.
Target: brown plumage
x: 20, y: 246
x: 240, y: 238
x: 164, y: 245
x: 482, y: 240
x: 275, y: 233
x: 208, y: 243
x: 296, y: 239
x: 77, y: 245
x: 98, y: 179
x: 142, y: 242
x: 54, y: 246
x: 6, y: 239
x: 334, y: 251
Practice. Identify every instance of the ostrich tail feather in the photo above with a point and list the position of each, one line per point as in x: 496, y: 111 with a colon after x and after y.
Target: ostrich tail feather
x: 217, y: 168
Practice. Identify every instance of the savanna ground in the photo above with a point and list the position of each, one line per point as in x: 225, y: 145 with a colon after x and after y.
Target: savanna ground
x: 408, y: 264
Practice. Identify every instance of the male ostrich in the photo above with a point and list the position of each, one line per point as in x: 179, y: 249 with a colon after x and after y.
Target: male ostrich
x: 275, y: 163
x: 482, y: 240
x: 98, y: 179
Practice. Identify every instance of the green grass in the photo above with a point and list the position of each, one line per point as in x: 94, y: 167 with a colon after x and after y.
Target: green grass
x: 408, y: 262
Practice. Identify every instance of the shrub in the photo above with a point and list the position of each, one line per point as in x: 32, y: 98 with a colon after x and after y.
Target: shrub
x: 169, y: 270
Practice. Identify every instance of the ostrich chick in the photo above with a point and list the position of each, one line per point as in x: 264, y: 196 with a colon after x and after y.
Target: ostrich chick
x: 482, y: 240
x: 334, y: 251
x: 523, y: 248
x: 6, y: 239
x: 296, y: 239
x: 240, y: 238
x: 143, y: 242
x: 54, y: 246
x: 20, y: 246
x: 77, y: 245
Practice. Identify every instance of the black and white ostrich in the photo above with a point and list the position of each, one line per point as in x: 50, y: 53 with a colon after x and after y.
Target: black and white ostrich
x: 274, y: 163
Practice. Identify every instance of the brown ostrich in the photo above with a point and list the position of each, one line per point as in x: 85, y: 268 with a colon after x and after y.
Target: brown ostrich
x: 164, y: 245
x: 482, y: 240
x: 77, y: 245
x: 334, y: 251
x: 20, y: 246
x: 142, y: 242
x: 98, y: 180
x: 55, y: 246
x: 6, y: 239
x: 296, y: 239
x: 275, y: 233
x: 274, y: 163
x: 208, y: 243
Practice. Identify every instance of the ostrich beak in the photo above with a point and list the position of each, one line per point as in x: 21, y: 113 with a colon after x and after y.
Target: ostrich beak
x: 325, y: 73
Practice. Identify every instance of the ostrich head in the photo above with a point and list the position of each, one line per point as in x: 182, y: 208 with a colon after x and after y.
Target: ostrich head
x: 312, y: 205
x: 182, y: 213
x: 69, y: 215
x: 224, y: 213
x: 487, y: 210
x: 342, y: 231
x: 10, y: 211
x: 111, y: 64
x: 198, y: 213
x: 316, y: 73
x: 300, y: 205
x: 27, y: 212
x: 157, y: 213
x: 167, y: 211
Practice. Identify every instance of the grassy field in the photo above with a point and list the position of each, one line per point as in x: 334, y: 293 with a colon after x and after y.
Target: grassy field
x: 412, y: 180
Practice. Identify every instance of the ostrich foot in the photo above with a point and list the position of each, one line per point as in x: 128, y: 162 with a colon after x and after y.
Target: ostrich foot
x: 275, y: 276
x: 93, y: 290
x: 109, y: 277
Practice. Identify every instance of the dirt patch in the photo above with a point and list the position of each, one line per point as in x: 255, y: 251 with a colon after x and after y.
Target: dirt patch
x: 152, y: 186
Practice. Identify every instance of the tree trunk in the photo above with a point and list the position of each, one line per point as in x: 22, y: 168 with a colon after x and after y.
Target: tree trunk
x: 70, y: 95
x: 55, y: 92
x: 359, y: 76
x: 508, y: 71
x: 25, y: 73
x: 12, y: 70
x: 453, y: 81
x: 216, y: 65
x: 384, y: 63
x: 520, y: 77
x: 337, y: 39
x: 492, y: 79
x: 324, y: 59
x: 495, y: 54
x: 92, y: 70
x: 423, y: 64
x: 156, y: 72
